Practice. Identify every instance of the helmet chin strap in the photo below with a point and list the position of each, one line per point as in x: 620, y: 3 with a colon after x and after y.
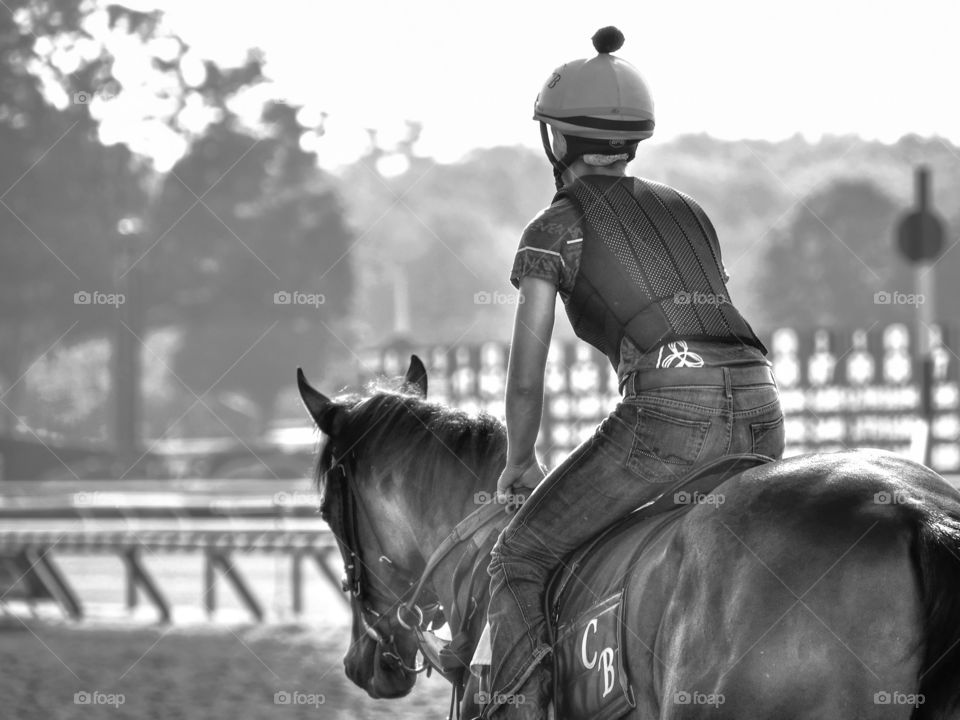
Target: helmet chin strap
x: 559, y: 167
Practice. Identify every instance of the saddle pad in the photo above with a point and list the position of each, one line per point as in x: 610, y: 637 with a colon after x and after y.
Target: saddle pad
x: 588, y: 656
x: 586, y: 603
x: 585, y: 599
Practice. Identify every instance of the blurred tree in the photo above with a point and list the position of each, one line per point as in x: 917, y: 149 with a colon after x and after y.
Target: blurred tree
x: 834, y: 265
x: 61, y: 192
x: 269, y: 230
x: 243, y: 215
x: 451, y: 231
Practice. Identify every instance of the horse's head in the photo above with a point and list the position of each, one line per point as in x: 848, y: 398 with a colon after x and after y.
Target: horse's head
x: 380, y: 549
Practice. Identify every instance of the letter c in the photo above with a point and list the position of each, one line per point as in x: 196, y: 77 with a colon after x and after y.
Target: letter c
x: 588, y: 664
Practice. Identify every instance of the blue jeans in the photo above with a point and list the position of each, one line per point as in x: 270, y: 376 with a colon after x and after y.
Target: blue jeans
x: 649, y: 441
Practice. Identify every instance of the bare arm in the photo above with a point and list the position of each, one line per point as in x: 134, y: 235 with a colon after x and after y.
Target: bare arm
x: 532, y: 331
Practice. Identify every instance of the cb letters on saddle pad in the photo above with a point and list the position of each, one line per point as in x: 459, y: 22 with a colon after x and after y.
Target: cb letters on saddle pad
x: 589, y: 664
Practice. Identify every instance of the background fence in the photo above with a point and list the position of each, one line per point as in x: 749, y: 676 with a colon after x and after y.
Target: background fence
x: 840, y: 389
x: 165, y: 534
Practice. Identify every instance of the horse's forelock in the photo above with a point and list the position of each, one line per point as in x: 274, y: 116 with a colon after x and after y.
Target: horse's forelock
x: 411, y: 434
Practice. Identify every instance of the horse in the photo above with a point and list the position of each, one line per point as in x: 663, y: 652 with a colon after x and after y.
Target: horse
x: 822, y: 586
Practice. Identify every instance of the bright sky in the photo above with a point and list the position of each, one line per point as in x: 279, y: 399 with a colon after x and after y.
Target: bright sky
x: 471, y: 70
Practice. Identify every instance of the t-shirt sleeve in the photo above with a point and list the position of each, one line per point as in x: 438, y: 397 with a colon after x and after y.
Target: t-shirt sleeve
x: 542, y: 245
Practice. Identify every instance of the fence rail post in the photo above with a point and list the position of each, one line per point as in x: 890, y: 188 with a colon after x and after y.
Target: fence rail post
x: 232, y: 574
x: 209, y: 584
x: 46, y: 572
x: 139, y: 576
x: 296, y: 581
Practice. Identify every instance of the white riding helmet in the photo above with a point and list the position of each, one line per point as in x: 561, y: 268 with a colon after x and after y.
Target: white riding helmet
x: 601, y: 98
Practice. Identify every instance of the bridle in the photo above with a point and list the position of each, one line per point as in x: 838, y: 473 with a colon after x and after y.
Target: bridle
x: 418, y: 619
x: 379, y: 627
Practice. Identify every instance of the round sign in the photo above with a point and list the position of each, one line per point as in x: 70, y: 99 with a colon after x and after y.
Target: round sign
x: 920, y: 236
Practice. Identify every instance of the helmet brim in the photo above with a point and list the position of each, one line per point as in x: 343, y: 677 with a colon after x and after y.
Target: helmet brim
x: 627, y: 126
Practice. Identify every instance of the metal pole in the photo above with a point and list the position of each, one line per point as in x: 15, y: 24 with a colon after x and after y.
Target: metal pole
x: 127, y: 369
x: 925, y: 316
x: 126, y: 365
x: 401, y: 302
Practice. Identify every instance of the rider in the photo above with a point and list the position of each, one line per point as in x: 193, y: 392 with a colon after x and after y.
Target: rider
x: 637, y: 265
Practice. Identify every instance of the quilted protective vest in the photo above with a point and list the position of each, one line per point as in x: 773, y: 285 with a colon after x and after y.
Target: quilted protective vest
x: 650, y: 269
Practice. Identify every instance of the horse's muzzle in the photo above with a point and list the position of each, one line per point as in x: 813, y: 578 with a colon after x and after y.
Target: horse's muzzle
x: 367, y: 668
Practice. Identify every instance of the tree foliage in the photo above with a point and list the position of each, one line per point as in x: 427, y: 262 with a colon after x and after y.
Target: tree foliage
x: 244, y: 214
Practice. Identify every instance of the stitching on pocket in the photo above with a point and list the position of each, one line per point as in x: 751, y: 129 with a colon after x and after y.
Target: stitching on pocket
x: 695, y: 431
x: 666, y: 402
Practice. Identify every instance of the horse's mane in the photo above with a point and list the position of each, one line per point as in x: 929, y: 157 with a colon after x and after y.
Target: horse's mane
x: 428, y: 442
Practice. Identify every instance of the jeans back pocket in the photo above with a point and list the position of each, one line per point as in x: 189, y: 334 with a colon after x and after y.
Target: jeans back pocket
x: 665, y: 444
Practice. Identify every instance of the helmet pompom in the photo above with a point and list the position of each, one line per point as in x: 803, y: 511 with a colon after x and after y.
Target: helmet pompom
x: 607, y: 39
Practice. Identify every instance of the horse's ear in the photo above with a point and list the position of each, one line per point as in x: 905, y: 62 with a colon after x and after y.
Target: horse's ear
x: 416, y: 377
x: 327, y: 414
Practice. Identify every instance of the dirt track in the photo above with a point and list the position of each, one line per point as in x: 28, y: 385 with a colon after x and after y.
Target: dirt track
x: 207, y: 672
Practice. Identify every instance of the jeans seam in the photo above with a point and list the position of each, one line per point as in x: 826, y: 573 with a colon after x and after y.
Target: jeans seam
x: 759, y: 410
x: 677, y: 404
x: 520, y: 520
x: 766, y: 424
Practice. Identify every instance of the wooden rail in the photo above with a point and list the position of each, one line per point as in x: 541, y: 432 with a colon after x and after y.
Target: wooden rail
x: 28, y: 555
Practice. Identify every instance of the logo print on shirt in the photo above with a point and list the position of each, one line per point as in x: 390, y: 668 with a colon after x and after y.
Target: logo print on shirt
x: 680, y: 356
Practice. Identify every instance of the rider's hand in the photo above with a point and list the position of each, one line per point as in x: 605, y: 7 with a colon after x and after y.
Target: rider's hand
x: 519, y: 479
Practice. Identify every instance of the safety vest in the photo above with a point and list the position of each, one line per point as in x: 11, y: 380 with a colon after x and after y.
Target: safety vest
x: 649, y: 270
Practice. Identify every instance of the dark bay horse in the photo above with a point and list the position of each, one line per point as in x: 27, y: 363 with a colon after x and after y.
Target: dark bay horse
x: 825, y: 586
